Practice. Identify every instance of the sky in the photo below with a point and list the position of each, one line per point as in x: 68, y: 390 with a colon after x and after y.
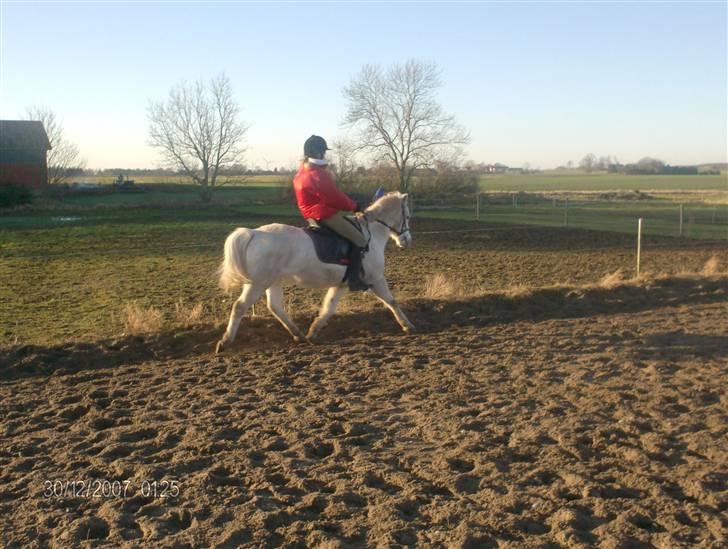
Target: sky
x: 541, y: 83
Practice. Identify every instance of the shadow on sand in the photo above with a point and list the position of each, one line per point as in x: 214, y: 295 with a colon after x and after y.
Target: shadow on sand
x: 430, y: 316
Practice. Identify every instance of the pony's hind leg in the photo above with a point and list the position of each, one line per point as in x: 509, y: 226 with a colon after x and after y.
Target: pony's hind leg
x: 250, y: 294
x: 275, y: 306
x: 331, y: 300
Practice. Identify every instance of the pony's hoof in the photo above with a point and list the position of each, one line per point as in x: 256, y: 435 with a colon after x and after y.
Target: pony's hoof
x: 220, y: 347
x: 408, y: 329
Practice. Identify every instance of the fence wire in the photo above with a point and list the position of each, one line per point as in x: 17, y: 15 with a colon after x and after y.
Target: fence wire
x: 706, y: 224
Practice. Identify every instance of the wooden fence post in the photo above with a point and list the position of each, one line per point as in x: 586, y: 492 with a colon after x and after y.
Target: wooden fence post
x: 566, y: 212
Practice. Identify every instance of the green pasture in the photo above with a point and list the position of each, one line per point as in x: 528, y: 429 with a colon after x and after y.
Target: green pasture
x: 659, y: 217
x: 538, y: 182
x: 180, y: 203
x: 68, y: 276
x: 546, y: 182
x: 164, y: 195
x: 235, y: 180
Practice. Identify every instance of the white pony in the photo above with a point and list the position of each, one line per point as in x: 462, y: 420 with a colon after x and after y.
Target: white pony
x: 267, y: 258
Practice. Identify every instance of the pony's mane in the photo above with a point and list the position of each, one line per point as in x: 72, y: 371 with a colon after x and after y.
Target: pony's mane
x: 388, y: 203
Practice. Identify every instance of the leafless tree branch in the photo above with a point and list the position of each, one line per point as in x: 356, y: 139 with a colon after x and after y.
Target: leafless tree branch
x: 197, y: 129
x: 397, y: 116
x: 64, y: 156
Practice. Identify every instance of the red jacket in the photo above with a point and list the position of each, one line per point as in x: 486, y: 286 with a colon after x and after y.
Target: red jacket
x: 317, y: 195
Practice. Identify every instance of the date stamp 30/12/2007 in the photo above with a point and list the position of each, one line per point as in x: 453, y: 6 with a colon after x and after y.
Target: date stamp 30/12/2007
x: 101, y: 488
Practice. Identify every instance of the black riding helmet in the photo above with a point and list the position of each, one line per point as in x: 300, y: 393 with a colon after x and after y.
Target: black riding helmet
x: 315, y: 147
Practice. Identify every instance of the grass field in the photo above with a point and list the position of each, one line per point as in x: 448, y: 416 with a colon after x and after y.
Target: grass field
x: 236, y: 180
x: 659, y: 217
x: 165, y: 195
x: 603, y: 182
x: 542, y: 182
x: 101, y: 252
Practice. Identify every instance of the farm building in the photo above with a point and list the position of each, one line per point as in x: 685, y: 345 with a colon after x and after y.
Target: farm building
x: 496, y: 168
x: 23, y: 148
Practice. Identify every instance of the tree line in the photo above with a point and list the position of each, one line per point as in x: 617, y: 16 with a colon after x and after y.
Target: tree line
x: 395, y: 130
x: 645, y: 166
x: 393, y: 118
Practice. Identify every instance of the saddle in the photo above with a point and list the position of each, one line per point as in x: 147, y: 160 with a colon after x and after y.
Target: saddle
x: 329, y: 246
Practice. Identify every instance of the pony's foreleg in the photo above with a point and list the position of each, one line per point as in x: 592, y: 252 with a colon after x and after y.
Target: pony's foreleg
x: 331, y: 300
x: 250, y: 294
x: 381, y: 289
x: 275, y: 306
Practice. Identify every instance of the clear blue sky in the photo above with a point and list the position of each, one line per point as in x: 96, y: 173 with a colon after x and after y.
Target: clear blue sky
x: 538, y: 82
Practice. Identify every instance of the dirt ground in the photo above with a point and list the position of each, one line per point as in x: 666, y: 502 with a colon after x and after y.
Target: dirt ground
x: 555, y: 417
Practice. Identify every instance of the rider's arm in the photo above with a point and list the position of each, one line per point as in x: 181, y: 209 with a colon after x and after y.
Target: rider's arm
x: 330, y: 194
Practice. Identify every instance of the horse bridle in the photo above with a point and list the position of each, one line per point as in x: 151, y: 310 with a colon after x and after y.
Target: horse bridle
x: 405, y: 223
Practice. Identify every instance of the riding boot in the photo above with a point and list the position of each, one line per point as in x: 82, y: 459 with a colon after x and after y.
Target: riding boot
x: 353, y: 274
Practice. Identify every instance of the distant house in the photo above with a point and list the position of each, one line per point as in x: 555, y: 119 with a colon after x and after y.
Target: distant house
x: 495, y: 168
x: 23, y: 148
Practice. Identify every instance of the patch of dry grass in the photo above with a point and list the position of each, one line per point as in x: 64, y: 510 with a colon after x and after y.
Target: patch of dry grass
x: 442, y: 286
x: 711, y: 267
x: 188, y: 314
x: 140, y: 320
x: 611, y: 280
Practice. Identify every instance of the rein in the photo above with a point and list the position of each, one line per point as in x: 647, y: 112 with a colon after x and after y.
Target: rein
x: 403, y: 229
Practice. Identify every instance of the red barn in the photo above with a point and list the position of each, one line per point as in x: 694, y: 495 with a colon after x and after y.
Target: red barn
x: 23, y: 148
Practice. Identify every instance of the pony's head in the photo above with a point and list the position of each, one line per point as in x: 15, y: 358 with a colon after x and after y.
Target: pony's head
x: 392, y: 211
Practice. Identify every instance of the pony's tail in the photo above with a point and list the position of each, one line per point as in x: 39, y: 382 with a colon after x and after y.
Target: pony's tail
x: 233, y: 268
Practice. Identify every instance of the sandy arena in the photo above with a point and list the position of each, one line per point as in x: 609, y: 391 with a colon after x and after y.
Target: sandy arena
x: 564, y: 416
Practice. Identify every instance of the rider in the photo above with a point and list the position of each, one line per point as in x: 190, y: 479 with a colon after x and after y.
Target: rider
x: 320, y: 199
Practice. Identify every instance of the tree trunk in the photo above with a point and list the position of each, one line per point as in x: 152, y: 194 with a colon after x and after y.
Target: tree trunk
x: 206, y: 193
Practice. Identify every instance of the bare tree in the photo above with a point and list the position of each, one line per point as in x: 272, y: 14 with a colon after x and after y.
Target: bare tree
x: 198, y: 131
x: 588, y: 163
x: 650, y: 165
x: 344, y: 162
x: 64, y: 157
x: 399, y: 118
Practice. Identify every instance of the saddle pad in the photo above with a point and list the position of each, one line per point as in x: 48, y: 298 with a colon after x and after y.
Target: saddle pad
x: 330, y: 247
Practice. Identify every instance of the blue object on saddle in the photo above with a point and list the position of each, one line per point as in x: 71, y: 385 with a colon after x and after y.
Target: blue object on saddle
x: 329, y: 246
x: 379, y: 193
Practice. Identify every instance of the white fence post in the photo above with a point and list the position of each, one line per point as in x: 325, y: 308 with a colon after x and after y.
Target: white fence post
x: 681, y: 219
x: 639, y: 244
